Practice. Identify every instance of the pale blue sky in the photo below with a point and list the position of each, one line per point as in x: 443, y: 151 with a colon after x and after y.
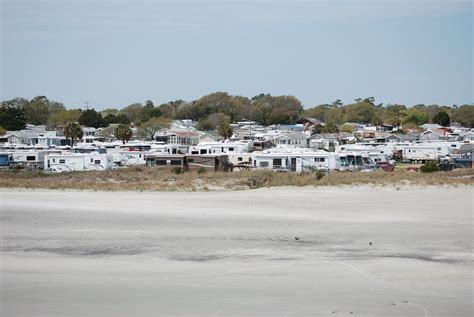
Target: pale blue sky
x: 116, y: 52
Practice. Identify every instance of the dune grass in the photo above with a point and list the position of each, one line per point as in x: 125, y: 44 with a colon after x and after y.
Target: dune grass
x: 151, y: 179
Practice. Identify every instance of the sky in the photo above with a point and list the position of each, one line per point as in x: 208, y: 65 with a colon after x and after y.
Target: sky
x: 112, y: 53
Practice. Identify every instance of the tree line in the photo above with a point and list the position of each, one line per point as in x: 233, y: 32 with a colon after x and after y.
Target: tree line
x: 220, y: 108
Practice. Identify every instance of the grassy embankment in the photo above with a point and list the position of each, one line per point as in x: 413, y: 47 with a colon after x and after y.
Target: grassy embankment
x: 142, y: 178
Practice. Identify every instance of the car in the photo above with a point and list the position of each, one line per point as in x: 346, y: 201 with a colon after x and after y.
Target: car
x: 445, y: 167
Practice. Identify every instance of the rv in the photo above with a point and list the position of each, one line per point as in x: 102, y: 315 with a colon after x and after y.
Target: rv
x: 221, y: 148
x: 78, y: 162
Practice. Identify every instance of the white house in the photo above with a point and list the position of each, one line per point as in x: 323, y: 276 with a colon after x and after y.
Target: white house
x: 291, y: 140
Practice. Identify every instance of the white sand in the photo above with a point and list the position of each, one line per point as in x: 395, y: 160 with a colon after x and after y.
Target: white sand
x: 234, y: 253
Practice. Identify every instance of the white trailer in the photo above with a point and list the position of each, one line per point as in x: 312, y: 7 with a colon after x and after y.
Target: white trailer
x: 421, y: 153
x: 225, y: 147
x: 132, y: 157
x: 30, y: 158
x: 78, y: 162
x: 240, y: 158
x: 297, y: 161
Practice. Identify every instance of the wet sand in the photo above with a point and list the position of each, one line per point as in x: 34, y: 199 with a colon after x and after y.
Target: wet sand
x: 235, y: 253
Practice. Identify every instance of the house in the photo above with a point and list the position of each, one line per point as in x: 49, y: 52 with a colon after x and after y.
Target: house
x: 430, y: 126
x: 78, y: 162
x: 291, y: 139
x: 178, y: 137
x: 90, y: 134
x: 430, y: 135
x: 328, y: 141
x: 34, y: 136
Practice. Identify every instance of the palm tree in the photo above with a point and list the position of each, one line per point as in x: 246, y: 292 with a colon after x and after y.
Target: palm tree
x: 123, y: 133
x: 73, y: 131
x: 225, y: 130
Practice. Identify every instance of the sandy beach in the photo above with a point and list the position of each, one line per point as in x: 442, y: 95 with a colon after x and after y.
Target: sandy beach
x: 68, y: 253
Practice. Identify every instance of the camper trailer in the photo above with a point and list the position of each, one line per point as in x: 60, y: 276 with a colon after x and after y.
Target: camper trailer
x: 420, y: 153
x: 78, y: 162
x: 299, y: 160
x: 221, y: 148
x: 30, y: 159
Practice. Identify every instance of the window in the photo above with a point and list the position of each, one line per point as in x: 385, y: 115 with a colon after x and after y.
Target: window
x: 191, y: 160
x: 239, y: 159
x: 203, y: 151
x: 277, y: 162
x: 175, y: 162
x: 231, y: 149
x: 54, y: 160
x: 97, y: 162
x: 92, y: 160
x: 160, y: 162
x: 264, y: 164
x: 319, y: 159
x: 62, y: 161
x: 31, y: 158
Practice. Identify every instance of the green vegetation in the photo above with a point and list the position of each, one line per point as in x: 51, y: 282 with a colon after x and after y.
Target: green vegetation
x: 219, y: 108
x: 123, y: 133
x: 429, y: 167
x: 73, y: 131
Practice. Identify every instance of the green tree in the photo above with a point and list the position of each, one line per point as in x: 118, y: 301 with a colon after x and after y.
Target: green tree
x: 12, y: 118
x: 37, y: 111
x: 150, y: 111
x: 148, y: 128
x: 73, y: 131
x: 442, y: 118
x: 415, y: 116
x: 463, y: 115
x: 123, y: 133
x: 134, y: 112
x: 119, y: 118
x: 394, y: 114
x: 225, y: 130
x: 213, y: 121
x: 91, y: 118
x: 64, y: 116
x: 327, y: 128
x: 2, y: 131
x: 363, y: 111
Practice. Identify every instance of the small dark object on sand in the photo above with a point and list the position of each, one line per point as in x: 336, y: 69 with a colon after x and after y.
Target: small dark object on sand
x: 297, y: 238
x: 370, y: 243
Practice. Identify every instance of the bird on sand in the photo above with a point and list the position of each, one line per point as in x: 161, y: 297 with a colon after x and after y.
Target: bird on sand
x: 297, y: 238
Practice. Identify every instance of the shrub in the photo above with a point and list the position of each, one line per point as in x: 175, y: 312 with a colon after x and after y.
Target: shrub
x: 178, y: 170
x: 259, y: 179
x: 318, y: 174
x: 429, y: 167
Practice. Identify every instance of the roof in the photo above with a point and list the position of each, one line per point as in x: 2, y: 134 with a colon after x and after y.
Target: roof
x: 466, y: 148
x: 292, y: 136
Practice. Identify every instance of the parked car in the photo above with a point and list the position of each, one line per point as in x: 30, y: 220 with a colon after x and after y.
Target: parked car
x: 445, y: 167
